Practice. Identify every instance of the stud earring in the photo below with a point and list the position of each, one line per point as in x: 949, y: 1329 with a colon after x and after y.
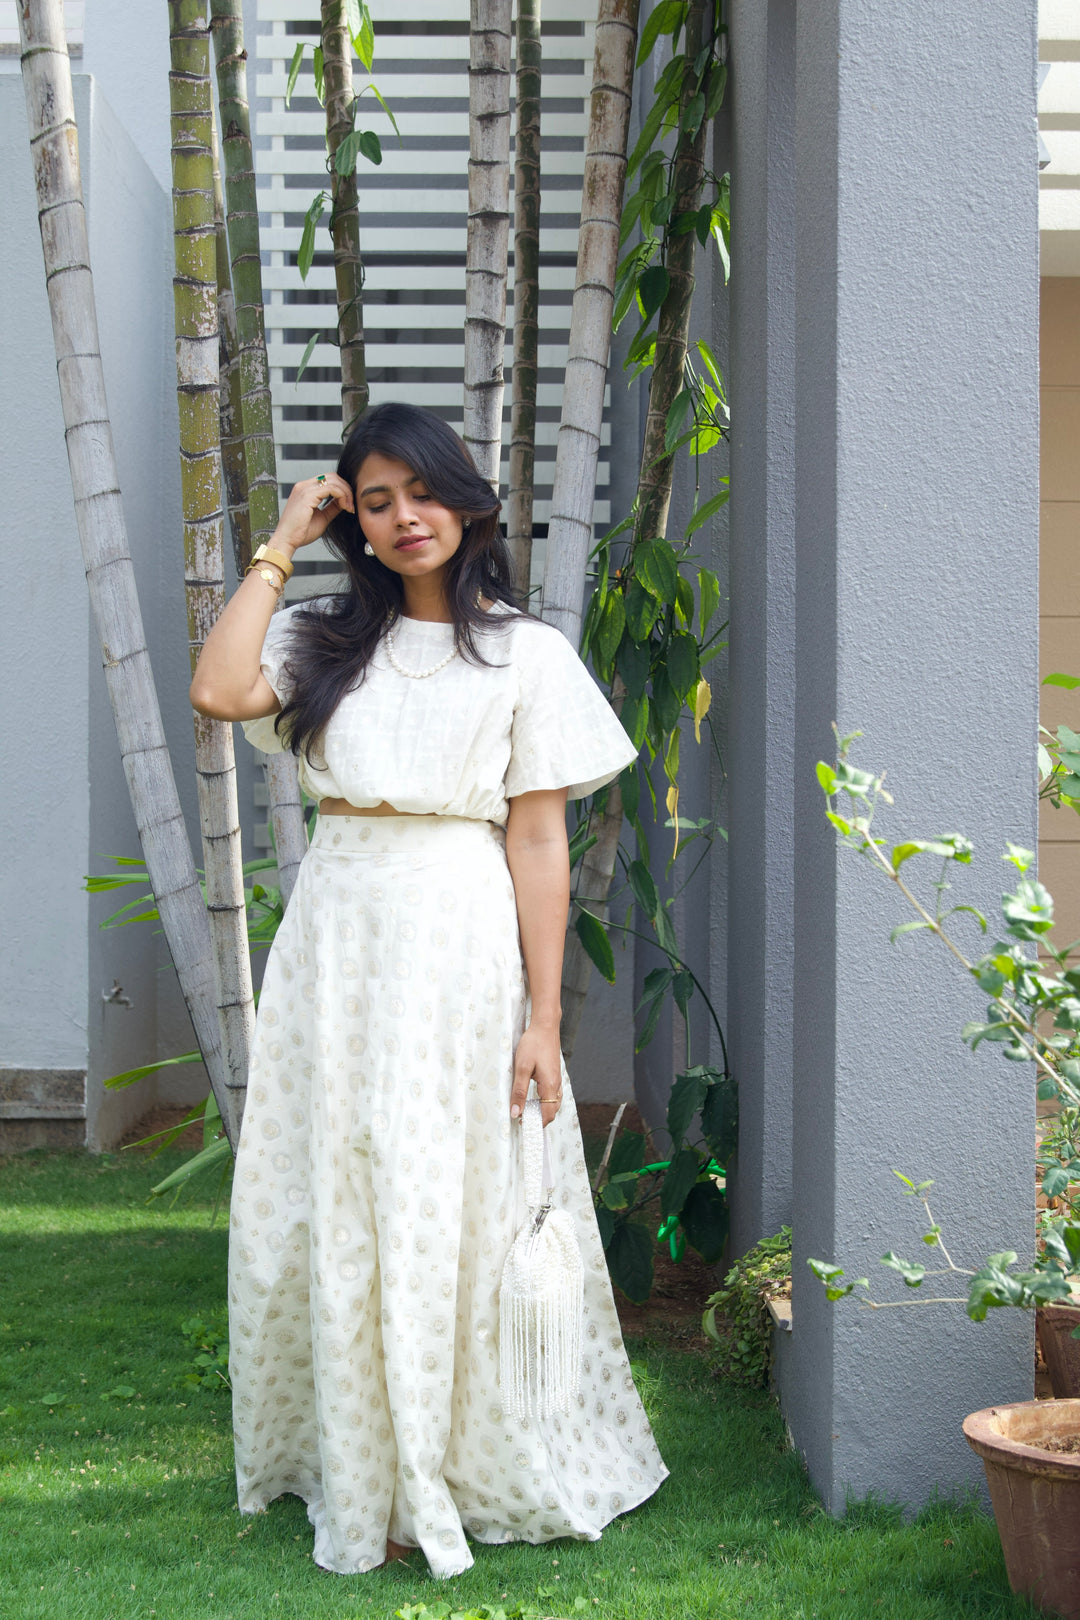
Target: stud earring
x: 369, y: 549
x: 466, y: 523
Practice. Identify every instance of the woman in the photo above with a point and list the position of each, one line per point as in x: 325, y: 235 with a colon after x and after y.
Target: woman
x: 411, y: 997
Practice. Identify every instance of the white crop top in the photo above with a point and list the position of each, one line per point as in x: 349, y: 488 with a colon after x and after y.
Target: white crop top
x: 466, y: 739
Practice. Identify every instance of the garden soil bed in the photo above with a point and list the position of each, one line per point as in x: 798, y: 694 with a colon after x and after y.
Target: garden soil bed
x: 672, y: 1315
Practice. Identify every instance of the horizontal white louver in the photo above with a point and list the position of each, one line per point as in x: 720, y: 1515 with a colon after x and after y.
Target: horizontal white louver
x: 74, y: 11
x: 413, y: 212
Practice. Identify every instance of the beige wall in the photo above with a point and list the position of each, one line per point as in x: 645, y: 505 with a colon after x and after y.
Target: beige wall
x: 1059, y: 625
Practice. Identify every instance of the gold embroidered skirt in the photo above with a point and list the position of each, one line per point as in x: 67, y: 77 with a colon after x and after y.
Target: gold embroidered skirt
x: 378, y: 1188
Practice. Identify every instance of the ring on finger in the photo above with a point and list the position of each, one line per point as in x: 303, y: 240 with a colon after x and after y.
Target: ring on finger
x: 321, y: 478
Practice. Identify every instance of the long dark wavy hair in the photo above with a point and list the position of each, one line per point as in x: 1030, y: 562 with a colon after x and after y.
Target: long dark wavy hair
x: 331, y: 646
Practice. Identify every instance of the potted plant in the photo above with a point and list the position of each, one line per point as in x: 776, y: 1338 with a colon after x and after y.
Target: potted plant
x: 1031, y: 1450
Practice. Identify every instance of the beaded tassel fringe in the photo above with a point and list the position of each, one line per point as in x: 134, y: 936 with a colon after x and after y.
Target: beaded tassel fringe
x: 541, y: 1300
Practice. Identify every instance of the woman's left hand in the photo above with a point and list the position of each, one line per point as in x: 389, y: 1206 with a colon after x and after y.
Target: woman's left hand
x: 538, y: 1058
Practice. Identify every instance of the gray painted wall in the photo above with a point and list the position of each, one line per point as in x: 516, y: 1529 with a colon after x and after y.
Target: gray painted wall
x: 916, y: 529
x: 762, y: 724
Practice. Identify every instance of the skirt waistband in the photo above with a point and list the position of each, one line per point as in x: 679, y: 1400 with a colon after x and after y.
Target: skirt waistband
x: 385, y: 835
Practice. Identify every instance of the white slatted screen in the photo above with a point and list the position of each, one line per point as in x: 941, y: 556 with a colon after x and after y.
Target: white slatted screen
x: 74, y: 11
x: 413, y: 213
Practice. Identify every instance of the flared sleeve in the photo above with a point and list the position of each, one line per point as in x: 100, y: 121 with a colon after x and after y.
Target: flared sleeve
x: 564, y: 731
x: 273, y: 663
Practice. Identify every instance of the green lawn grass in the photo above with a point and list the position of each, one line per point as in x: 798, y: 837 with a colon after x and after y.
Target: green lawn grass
x: 116, y: 1505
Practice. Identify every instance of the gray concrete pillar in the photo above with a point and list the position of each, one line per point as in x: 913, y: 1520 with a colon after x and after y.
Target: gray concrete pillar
x: 916, y: 538
x: 762, y: 724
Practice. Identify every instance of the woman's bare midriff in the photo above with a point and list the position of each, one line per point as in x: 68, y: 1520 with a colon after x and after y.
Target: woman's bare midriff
x: 342, y: 807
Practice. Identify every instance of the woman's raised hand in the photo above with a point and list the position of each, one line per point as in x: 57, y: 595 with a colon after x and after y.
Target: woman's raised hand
x: 302, y: 521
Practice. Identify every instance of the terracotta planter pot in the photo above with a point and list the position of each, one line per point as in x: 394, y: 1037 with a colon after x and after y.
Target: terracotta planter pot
x: 1036, y: 1497
x: 1061, y: 1351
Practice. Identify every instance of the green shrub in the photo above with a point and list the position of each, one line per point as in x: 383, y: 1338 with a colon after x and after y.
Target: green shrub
x: 737, y: 1320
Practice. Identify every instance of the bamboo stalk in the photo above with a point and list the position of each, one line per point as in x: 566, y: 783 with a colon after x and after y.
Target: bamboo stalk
x: 242, y: 218
x: 345, y: 215
x: 234, y: 472
x: 519, y: 510
x: 488, y: 232
x: 197, y: 366
x: 578, y: 446
x: 673, y: 321
x: 99, y: 515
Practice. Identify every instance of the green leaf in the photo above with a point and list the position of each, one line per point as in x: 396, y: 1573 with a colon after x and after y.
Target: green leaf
x: 631, y: 212
x: 609, y: 632
x: 630, y: 789
x: 306, y: 252
x: 826, y: 777
x: 345, y: 156
x: 641, y: 881
x: 681, y: 1175
x: 371, y: 146
x: 1069, y: 682
x: 720, y: 1117
x: 320, y: 74
x: 361, y: 32
x: 665, y: 933
x: 677, y: 412
x: 614, y: 1196
x: 711, y: 364
x: 652, y: 289
x: 1055, y: 1181
x: 642, y: 610
x: 912, y: 1275
x: 633, y: 660
x: 830, y: 1275
x: 648, y: 1029
x: 687, y: 1095
x: 1029, y: 912
x: 630, y: 1261
x: 666, y: 701
x: 627, y: 1153
x: 692, y: 116
x: 294, y: 71
x: 683, y: 669
x: 635, y: 719
x: 385, y: 105
x: 665, y: 18
x: 904, y: 852
x: 682, y: 988
x: 906, y: 928
x: 309, y: 350
x: 704, y: 513
x: 660, y: 211
x: 594, y: 937
x: 704, y: 1217
x: 218, y: 1152
x: 715, y: 94
x: 655, y: 566
x: 116, y: 1082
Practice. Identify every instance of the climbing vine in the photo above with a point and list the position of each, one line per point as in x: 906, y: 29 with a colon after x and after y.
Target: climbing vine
x: 653, y: 624
x: 653, y: 620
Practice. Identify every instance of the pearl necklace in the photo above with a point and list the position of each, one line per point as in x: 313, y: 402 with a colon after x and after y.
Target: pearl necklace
x: 415, y: 674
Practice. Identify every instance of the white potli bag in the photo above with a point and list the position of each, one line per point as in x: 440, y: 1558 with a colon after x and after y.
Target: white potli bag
x: 541, y: 1300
